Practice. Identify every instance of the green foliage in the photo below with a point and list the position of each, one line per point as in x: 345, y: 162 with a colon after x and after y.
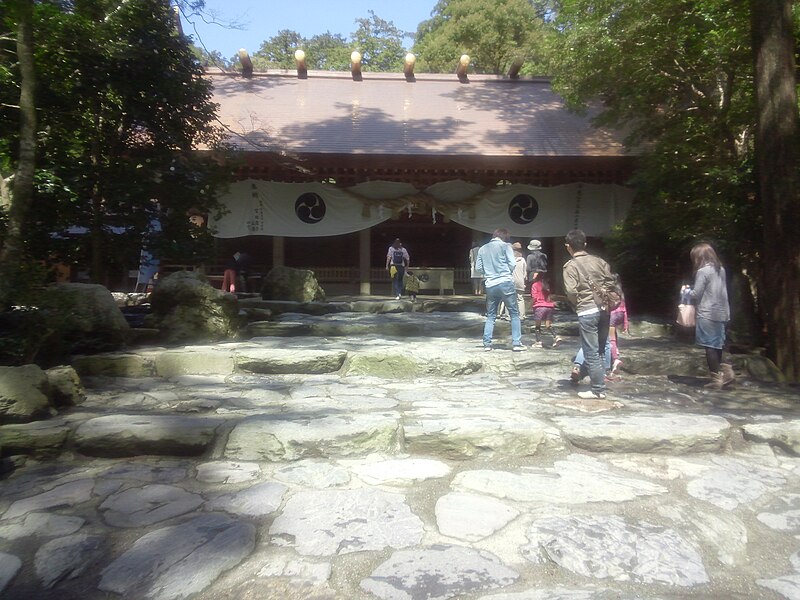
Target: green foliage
x: 120, y: 120
x: 494, y: 33
x: 31, y: 324
x: 278, y: 51
x: 327, y: 52
x: 378, y: 40
x: 380, y: 44
x: 677, y: 77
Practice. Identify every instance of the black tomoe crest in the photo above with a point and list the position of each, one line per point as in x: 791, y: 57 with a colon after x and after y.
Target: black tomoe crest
x: 523, y: 209
x: 310, y: 208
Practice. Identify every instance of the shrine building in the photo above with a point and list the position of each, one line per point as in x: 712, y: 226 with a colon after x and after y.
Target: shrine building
x: 336, y: 165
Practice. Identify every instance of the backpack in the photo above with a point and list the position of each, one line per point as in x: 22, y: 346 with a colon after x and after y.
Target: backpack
x: 397, y: 257
x: 605, y: 298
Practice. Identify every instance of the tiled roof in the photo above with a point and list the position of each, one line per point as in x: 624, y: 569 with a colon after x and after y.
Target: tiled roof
x: 385, y: 114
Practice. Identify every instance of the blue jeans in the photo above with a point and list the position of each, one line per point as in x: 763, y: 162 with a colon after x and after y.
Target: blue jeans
x: 594, y: 335
x: 579, y: 360
x: 503, y: 292
x: 397, y: 280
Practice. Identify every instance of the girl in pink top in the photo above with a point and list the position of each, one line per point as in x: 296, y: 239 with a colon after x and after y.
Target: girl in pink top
x: 543, y: 309
x: 618, y: 320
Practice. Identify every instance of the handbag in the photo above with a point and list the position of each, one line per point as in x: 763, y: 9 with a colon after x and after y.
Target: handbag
x: 686, y: 315
x: 604, y: 298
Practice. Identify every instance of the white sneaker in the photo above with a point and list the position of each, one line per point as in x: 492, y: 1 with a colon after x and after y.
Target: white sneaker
x: 487, y: 348
x: 397, y: 297
x: 590, y: 395
x: 519, y: 348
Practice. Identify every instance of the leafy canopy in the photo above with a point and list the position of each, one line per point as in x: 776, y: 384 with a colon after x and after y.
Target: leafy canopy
x: 379, y: 42
x: 494, y: 33
x: 120, y: 120
x: 677, y: 76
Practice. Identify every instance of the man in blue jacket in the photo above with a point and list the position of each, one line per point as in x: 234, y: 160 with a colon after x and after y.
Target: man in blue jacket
x: 496, y: 261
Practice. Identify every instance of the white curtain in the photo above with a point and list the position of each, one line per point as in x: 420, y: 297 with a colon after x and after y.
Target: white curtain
x: 528, y: 211
x: 256, y: 207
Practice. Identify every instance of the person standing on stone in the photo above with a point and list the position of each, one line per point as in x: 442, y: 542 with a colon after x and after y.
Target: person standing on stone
x: 412, y: 284
x: 474, y: 275
x: 536, y: 262
x: 234, y: 278
x: 710, y: 293
x: 581, y: 274
x: 496, y: 262
x: 618, y: 322
x: 397, y: 261
x: 543, y: 308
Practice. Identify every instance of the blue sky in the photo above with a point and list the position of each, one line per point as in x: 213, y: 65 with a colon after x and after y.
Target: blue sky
x: 261, y: 19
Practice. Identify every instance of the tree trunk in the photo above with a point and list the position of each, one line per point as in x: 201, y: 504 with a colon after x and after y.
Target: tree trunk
x: 21, y: 194
x: 777, y: 173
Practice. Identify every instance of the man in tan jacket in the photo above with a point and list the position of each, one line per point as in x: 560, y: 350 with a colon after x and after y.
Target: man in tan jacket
x: 593, y: 319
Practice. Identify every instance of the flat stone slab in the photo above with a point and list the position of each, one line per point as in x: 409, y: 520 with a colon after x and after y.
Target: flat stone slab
x: 194, y: 361
x: 134, y: 435
x: 437, y: 573
x: 406, y: 362
x: 398, y: 471
x: 785, y: 434
x: 673, y: 434
x: 470, y: 517
x: 331, y: 522
x: 41, y: 525
x: 256, y: 501
x: 157, y: 471
x: 66, y: 558
x: 139, y: 507
x: 563, y: 593
x: 787, y: 586
x: 724, y: 532
x: 471, y: 432
x: 730, y: 483
x: 227, y: 472
x: 9, y: 566
x: 181, y: 560
x: 276, y: 439
x: 284, y: 360
x: 577, y: 480
x: 114, y: 364
x: 782, y: 515
x: 43, y: 439
x: 67, y: 494
x: 315, y: 474
x: 640, y: 553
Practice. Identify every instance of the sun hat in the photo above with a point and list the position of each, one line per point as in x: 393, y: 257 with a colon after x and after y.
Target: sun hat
x: 534, y: 245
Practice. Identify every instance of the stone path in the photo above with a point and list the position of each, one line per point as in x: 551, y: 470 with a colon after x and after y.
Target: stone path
x: 360, y: 465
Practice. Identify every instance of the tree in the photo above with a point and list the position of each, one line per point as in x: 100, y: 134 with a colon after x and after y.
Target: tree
x: 278, y: 51
x: 494, y: 33
x: 18, y: 200
x: 777, y: 170
x: 120, y: 122
x: 380, y: 44
x: 678, y: 77
x: 327, y: 52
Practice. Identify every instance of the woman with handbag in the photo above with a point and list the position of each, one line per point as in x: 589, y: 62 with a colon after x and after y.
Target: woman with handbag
x: 712, y: 311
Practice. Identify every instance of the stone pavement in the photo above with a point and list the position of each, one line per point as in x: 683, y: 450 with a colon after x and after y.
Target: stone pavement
x: 363, y: 456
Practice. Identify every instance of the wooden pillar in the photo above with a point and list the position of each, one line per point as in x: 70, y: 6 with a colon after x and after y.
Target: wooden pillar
x: 364, y: 241
x: 278, y: 251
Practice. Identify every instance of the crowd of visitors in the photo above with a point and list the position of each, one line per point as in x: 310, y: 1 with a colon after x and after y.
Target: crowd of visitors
x: 595, y: 294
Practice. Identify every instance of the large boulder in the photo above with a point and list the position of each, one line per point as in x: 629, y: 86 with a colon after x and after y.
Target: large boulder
x: 23, y: 394
x: 185, y: 307
x: 86, y: 318
x: 298, y: 285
